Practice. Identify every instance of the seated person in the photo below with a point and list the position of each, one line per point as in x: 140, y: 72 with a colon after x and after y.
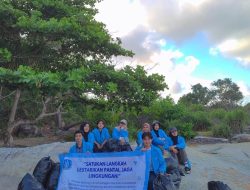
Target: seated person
x: 101, y: 135
x: 120, y: 135
x: 154, y: 156
x: 145, y: 128
x: 160, y: 138
x: 120, y: 132
x: 88, y: 137
x: 177, y: 149
x: 80, y: 146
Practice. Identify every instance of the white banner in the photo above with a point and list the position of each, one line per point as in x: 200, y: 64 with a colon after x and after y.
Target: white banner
x: 103, y: 171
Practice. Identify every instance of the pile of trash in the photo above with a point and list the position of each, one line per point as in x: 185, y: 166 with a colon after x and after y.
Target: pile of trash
x: 45, y: 176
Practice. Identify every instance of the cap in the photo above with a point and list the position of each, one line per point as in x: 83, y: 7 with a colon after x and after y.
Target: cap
x: 155, y: 122
x: 124, y: 121
x: 173, y: 129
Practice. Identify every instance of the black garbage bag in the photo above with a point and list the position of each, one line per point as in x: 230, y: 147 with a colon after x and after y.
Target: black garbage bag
x: 29, y: 182
x: 42, y: 170
x: 113, y: 145
x: 125, y: 147
x: 171, y: 163
x: 175, y: 177
x: 163, y: 182
x: 53, y: 177
x: 217, y: 185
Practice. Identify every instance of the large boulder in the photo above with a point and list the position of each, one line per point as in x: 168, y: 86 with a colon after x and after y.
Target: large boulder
x: 241, y: 138
x: 208, y: 140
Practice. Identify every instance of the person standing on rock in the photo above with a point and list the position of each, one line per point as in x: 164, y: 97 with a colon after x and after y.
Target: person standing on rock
x: 101, y: 135
x: 154, y: 156
x: 177, y: 149
x: 145, y: 128
x: 80, y: 146
x: 88, y: 137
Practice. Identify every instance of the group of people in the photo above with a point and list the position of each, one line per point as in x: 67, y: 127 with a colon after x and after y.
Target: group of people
x: 150, y: 139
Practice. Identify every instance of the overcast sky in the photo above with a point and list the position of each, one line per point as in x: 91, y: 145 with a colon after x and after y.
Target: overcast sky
x: 187, y: 41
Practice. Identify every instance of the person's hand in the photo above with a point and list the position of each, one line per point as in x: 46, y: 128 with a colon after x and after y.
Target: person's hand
x: 172, y: 148
x: 102, y: 144
x: 99, y: 146
x: 165, y: 152
x: 122, y: 141
x: 175, y: 151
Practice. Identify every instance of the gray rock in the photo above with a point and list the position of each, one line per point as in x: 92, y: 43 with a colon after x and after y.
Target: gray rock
x: 241, y: 138
x: 208, y: 140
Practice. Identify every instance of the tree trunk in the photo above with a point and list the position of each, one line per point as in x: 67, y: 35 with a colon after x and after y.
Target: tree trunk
x: 8, y: 140
x: 1, y: 91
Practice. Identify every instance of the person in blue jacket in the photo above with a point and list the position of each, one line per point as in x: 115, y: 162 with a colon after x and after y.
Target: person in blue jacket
x: 80, y: 146
x: 88, y: 137
x: 120, y: 132
x: 101, y: 135
x: 145, y: 128
x: 121, y: 135
x: 160, y: 138
x: 156, y: 161
x: 178, y: 149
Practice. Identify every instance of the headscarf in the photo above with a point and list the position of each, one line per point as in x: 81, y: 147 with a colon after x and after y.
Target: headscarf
x: 153, y: 126
x: 174, y: 138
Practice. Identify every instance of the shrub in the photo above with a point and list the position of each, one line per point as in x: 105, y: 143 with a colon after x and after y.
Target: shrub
x: 221, y: 130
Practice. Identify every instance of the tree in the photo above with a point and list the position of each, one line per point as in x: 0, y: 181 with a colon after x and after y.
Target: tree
x: 226, y: 94
x: 57, y: 49
x: 199, y: 95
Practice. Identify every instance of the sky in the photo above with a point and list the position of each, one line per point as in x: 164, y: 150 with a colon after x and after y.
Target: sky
x: 187, y: 41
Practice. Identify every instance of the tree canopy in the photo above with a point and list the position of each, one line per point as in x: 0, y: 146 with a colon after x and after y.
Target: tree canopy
x: 57, y: 49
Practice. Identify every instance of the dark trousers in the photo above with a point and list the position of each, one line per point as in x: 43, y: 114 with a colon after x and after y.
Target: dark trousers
x: 151, y: 179
x: 103, y: 149
x: 181, y: 156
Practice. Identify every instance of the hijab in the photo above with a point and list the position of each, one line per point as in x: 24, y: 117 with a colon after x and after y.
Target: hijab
x: 174, y: 138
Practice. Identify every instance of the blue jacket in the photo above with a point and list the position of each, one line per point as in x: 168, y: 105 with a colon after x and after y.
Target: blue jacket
x: 139, y: 138
x: 181, y: 142
x: 162, y: 140
x: 100, y: 137
x: 116, y: 134
x: 91, y: 140
x: 158, y: 162
x: 85, y: 148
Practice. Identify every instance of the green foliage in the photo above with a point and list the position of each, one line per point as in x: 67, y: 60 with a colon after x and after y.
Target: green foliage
x: 5, y: 55
x: 236, y: 120
x: 223, y: 94
x: 185, y: 129
x: 226, y: 94
x: 199, y: 95
x: 221, y: 130
x: 54, y: 34
x: 200, y: 121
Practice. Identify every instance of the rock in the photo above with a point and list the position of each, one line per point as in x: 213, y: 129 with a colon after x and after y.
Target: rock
x: 208, y: 140
x: 28, y: 131
x: 247, y: 130
x: 241, y: 138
